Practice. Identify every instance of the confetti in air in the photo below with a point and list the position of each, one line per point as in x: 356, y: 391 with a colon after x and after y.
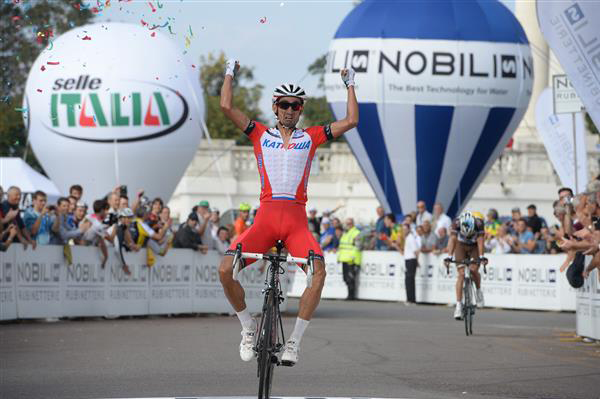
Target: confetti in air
x: 52, y: 63
x: 43, y: 68
x: 153, y: 34
x: 21, y: 109
x: 263, y: 20
x: 39, y: 90
x: 86, y: 37
x: 191, y: 33
x: 152, y: 6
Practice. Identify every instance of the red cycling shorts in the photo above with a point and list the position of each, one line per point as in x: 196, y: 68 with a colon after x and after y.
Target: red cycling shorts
x: 278, y: 220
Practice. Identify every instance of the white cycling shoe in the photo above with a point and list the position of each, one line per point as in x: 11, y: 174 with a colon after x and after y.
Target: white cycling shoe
x: 247, y: 345
x: 458, y: 311
x: 479, y: 298
x: 290, y: 353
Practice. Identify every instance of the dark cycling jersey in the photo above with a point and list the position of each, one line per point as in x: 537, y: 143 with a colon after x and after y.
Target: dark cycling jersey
x: 478, y: 231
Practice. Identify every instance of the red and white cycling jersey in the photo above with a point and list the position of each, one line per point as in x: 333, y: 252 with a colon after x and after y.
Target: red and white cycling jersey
x: 284, y: 172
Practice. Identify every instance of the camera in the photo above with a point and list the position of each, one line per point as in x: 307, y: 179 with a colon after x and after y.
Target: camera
x: 110, y: 219
x: 569, y: 200
x: 596, y: 223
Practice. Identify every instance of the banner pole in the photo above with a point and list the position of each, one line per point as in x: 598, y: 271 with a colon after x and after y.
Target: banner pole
x: 575, y: 153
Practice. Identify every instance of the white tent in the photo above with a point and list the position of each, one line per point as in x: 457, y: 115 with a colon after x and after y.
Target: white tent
x: 16, y: 172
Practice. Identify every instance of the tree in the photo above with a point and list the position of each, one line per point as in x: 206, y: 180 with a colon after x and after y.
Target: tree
x: 245, y: 97
x: 25, y: 29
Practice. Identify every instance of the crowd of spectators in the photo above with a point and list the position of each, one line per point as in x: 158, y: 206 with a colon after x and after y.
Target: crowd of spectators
x: 115, y: 222
x: 111, y: 223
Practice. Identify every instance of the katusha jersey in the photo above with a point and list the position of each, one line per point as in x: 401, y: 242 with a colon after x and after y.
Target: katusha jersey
x: 284, y: 172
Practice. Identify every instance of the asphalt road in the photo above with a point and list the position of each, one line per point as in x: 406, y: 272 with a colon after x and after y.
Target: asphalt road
x: 351, y: 349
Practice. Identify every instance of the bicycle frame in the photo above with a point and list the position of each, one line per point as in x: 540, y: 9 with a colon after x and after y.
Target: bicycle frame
x: 468, y: 308
x: 270, y: 332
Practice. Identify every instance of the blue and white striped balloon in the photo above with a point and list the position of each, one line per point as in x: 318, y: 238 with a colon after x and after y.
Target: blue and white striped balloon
x: 441, y: 86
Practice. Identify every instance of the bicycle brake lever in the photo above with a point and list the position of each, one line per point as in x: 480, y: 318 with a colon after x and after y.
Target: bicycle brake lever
x: 309, y: 269
x: 237, y: 261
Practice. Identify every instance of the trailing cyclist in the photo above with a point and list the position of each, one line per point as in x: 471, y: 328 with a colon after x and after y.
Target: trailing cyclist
x: 466, y: 242
x: 283, y: 154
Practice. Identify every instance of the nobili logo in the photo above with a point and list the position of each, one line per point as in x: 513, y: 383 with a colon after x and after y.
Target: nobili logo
x: 82, y: 109
x: 437, y: 63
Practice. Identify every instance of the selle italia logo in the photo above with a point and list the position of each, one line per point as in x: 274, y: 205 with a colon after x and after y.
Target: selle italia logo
x: 82, y: 109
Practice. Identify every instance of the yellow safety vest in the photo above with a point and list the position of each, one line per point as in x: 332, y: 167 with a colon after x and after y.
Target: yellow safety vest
x: 347, y: 251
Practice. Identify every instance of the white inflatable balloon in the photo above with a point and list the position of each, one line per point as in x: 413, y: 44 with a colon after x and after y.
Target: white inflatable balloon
x: 114, y: 104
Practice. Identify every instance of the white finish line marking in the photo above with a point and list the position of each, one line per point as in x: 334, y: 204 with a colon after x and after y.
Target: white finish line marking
x: 253, y: 397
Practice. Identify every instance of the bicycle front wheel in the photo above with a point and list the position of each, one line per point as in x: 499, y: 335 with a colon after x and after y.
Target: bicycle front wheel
x: 468, y: 300
x: 265, y: 348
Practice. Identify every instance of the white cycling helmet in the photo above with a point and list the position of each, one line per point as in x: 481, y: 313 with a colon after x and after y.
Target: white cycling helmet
x: 467, y: 224
x: 289, y: 90
x: 125, y: 213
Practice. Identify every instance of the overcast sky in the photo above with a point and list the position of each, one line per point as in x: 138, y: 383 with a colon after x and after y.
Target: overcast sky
x: 279, y: 39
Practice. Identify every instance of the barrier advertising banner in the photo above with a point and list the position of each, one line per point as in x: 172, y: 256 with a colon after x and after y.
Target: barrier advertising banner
x: 512, y: 281
x: 40, y: 278
x: 39, y: 284
x: 8, y: 293
x: 571, y: 30
x: 588, y: 307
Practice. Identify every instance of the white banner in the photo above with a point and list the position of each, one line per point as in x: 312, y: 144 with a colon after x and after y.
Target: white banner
x: 39, y: 284
x: 588, y: 307
x: 8, y: 291
x: 40, y: 281
x: 556, y: 132
x: 84, y: 290
x: 334, y: 288
x: 566, y: 100
x: 435, y: 72
x: 511, y: 282
x: 572, y: 31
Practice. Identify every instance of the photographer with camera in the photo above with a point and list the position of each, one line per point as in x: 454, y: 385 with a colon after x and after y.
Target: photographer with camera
x: 120, y: 235
x: 39, y: 218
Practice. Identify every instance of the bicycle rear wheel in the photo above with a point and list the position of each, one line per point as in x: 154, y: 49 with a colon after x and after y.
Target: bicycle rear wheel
x: 265, y: 347
x: 467, y: 314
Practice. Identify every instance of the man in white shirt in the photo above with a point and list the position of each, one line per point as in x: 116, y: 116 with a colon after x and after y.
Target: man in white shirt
x: 440, y: 219
x: 422, y: 214
x: 412, y: 245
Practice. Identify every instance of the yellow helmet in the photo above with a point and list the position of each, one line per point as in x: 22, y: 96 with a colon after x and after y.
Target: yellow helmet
x: 477, y: 215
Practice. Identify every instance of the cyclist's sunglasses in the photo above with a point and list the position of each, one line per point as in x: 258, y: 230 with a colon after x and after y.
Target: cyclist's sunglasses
x: 296, y: 106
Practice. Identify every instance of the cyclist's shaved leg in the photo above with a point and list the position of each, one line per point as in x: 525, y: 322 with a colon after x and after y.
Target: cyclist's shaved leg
x: 311, y: 296
x: 233, y: 289
x: 459, y: 283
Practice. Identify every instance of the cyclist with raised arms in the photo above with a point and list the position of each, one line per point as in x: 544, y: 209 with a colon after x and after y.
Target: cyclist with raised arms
x: 466, y: 241
x: 284, y: 154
